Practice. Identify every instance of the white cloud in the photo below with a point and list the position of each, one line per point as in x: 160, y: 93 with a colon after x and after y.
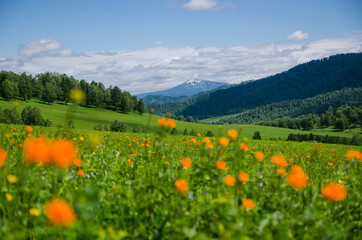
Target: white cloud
x: 298, y: 36
x: 160, y: 68
x: 159, y: 42
x: 200, y: 4
x: 42, y: 46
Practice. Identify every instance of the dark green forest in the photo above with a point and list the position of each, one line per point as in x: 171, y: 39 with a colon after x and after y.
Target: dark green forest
x: 301, y: 82
x: 50, y: 87
x: 294, y: 108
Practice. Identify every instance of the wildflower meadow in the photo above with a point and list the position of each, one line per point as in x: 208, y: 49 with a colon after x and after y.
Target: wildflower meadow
x: 61, y: 183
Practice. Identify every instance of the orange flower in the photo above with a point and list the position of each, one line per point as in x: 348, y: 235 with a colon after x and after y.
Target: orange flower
x: 181, y: 186
x: 244, y: 147
x: 232, y: 133
x: 223, y: 141
x: 229, y: 180
x: 37, y: 150
x: 80, y: 172
x: 29, y: 128
x: 59, y: 212
x: 220, y: 164
x: 243, y: 177
x: 171, y: 123
x: 248, y: 203
x: 259, y: 156
x: 334, y: 192
x: 279, y: 160
x: 297, y: 178
x: 167, y: 162
x: 330, y: 164
x: 186, y: 162
x: 3, y: 157
x: 352, y: 154
x: 198, y: 134
x: 162, y: 121
x: 62, y: 153
x: 281, y: 172
x: 77, y: 162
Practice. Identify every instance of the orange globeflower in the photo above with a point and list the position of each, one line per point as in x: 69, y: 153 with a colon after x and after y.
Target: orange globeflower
x: 352, y: 154
x: 3, y: 157
x: 77, y: 162
x: 334, y: 192
x: 279, y: 160
x: 186, y: 162
x: 244, y: 147
x: 171, y: 123
x: 37, y: 150
x: 29, y: 128
x: 229, y: 180
x: 220, y: 164
x: 162, y: 121
x: 248, y: 203
x: 297, y: 178
x: 259, y: 156
x: 232, y: 133
x: 182, y: 186
x: 223, y: 141
x: 59, y: 212
x: 80, y: 172
x: 243, y: 177
x: 63, y: 152
x: 281, y: 172
x: 198, y: 134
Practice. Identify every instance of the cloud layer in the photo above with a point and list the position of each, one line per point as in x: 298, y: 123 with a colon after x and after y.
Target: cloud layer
x: 200, y: 4
x: 298, y: 36
x: 42, y: 46
x: 160, y: 68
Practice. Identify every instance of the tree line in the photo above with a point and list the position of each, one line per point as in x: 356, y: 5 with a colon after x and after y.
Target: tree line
x: 340, y: 118
x: 50, y: 87
x: 29, y: 116
x: 355, y: 140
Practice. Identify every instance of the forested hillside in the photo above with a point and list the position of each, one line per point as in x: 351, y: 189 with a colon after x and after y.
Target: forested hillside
x: 303, y: 81
x: 294, y: 108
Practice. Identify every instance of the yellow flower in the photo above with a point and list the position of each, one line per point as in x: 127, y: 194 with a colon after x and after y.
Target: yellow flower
x: 34, y: 211
x: 8, y: 197
x: 77, y: 96
x: 12, y: 178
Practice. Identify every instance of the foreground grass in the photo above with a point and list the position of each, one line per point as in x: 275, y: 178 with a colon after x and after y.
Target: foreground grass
x: 128, y: 189
x: 87, y: 118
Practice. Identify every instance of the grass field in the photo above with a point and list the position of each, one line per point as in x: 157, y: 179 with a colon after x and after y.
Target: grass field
x: 87, y: 118
x: 157, y: 186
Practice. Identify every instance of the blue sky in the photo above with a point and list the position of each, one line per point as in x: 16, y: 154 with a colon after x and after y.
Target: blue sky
x: 143, y: 45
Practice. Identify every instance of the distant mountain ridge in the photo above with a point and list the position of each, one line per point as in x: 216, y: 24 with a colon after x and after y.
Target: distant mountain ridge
x: 300, y: 82
x: 187, y: 88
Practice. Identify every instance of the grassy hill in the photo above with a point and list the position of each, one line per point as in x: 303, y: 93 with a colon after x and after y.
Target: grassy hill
x: 87, y: 118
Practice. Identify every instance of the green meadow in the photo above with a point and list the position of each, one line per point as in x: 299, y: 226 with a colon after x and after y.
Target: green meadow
x: 88, y: 118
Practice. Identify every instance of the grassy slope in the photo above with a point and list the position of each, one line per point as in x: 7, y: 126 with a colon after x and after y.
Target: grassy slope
x: 87, y: 118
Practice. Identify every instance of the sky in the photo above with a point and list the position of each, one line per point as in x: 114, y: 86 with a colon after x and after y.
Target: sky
x: 143, y: 45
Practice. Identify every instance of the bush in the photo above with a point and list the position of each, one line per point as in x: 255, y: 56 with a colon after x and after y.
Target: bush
x: 185, y: 132
x: 193, y: 132
x: 99, y: 127
x: 118, y: 126
x: 257, y: 135
x: 209, y: 134
x: 32, y: 116
x: 174, y: 131
x: 12, y: 116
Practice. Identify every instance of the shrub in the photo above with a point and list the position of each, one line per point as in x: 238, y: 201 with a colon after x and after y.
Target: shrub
x: 118, y: 126
x: 209, y: 134
x: 257, y: 135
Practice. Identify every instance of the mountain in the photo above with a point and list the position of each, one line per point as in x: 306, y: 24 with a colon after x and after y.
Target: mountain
x: 319, y: 104
x: 187, y: 88
x: 301, y: 82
